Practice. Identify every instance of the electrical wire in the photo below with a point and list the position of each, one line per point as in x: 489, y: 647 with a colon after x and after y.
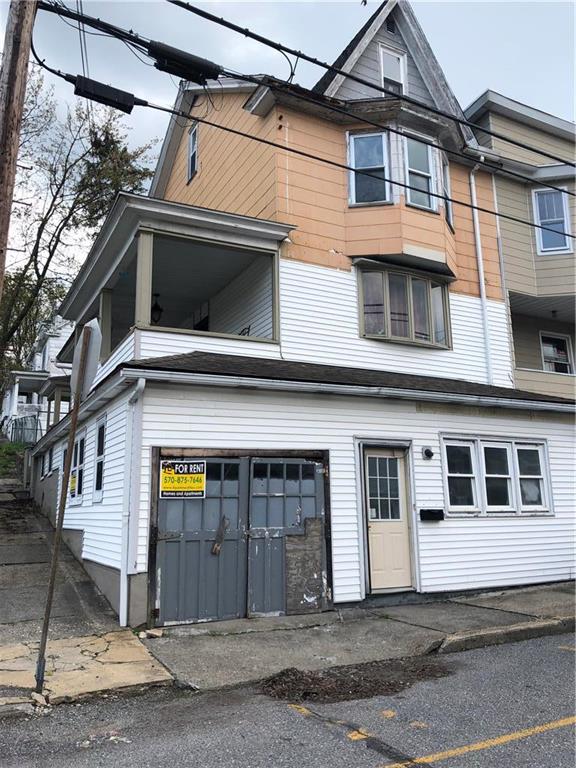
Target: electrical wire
x: 280, y: 86
x: 337, y: 71
x: 316, y: 158
x: 130, y: 38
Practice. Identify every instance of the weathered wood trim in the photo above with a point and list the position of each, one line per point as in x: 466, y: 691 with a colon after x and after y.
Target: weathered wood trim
x: 144, y: 261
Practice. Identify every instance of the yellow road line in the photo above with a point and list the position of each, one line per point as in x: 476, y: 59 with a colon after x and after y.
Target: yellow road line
x: 479, y: 745
x: 567, y: 648
x: 358, y: 735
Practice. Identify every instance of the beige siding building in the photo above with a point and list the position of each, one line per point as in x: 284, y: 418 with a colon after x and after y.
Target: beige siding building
x: 539, y: 264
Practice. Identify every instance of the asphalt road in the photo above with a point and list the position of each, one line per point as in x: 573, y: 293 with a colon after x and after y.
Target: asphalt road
x: 509, y: 705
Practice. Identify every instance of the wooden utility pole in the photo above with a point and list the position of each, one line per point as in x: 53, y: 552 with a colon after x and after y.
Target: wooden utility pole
x: 13, y: 76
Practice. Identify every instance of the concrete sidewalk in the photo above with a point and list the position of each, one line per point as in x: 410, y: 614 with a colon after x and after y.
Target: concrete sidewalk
x: 211, y: 656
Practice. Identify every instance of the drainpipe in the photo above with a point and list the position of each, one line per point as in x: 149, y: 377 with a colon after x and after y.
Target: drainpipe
x: 130, y: 470
x: 480, y: 265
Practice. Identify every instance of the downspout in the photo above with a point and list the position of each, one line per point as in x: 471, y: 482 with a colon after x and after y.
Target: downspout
x: 480, y: 266
x: 511, y: 375
x: 129, y: 470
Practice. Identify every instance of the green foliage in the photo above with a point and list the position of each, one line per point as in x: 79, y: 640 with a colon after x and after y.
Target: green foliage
x: 11, y: 459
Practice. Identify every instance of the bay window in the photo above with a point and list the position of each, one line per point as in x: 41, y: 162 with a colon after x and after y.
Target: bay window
x: 419, y: 161
x: 368, y: 155
x: 399, y: 306
x: 488, y: 476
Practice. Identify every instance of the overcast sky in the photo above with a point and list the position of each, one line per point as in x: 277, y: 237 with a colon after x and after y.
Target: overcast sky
x: 524, y: 50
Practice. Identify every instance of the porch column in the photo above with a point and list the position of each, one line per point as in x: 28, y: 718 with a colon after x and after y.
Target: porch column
x: 34, y: 398
x: 14, y: 403
x: 48, y: 413
x: 144, y: 277
x: 105, y: 319
x: 57, y: 401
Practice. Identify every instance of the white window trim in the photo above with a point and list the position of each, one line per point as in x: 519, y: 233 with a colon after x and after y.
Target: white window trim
x: 76, y: 500
x: 568, y: 341
x: 510, y: 453
x: 192, y: 139
x: 447, y: 190
x: 477, y: 442
x: 385, y: 48
x: 99, y: 493
x: 541, y: 251
x: 352, y: 163
x: 432, y: 159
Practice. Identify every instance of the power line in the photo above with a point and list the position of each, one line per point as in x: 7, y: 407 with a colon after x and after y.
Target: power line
x: 310, y: 156
x: 336, y: 70
x: 135, y: 42
x: 301, y: 93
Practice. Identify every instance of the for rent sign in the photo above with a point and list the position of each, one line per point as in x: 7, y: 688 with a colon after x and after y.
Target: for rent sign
x: 180, y: 478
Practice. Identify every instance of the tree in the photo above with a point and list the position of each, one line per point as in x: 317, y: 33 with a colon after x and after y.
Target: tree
x: 71, y: 168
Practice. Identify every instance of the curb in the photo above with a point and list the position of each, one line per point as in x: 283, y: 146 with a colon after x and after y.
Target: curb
x: 513, y: 633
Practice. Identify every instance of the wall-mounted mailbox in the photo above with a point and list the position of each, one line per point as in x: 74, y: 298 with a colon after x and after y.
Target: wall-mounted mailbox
x: 431, y: 515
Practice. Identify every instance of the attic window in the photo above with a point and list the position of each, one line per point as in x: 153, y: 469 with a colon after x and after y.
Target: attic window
x: 393, y: 66
x: 391, y: 26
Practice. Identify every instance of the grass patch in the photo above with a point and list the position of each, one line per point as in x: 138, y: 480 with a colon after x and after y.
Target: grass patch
x: 11, y: 459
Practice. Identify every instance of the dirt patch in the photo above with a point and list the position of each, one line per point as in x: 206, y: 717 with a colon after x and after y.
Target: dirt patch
x: 354, y: 681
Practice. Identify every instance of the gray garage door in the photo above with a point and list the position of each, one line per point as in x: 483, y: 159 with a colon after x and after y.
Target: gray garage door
x: 254, y: 546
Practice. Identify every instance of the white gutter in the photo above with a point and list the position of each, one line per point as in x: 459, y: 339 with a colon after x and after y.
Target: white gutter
x: 480, y: 265
x: 245, y: 382
x: 131, y: 486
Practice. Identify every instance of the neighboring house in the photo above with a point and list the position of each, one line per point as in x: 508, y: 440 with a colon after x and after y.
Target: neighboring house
x: 25, y: 407
x: 539, y: 265
x: 306, y: 394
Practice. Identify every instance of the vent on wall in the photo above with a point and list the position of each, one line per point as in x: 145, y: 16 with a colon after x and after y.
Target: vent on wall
x: 391, y: 26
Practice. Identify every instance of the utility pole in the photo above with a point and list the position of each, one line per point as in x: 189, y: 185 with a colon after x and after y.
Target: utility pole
x: 13, y: 76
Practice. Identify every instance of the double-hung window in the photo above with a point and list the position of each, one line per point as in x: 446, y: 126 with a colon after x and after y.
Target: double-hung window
x: 368, y: 155
x: 393, y: 66
x: 551, y: 211
x: 403, y: 307
x: 419, y: 164
x: 556, y: 353
x: 99, y: 463
x: 486, y: 476
x: 192, y: 151
x: 76, y: 486
x: 447, y: 192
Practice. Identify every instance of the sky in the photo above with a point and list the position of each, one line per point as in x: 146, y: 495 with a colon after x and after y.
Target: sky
x: 524, y: 50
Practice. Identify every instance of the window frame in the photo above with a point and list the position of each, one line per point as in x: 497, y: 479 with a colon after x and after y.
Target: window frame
x: 512, y: 491
x: 432, y: 175
x: 403, y: 59
x: 78, y: 467
x: 513, y: 444
x: 430, y: 279
x: 99, y: 458
x: 540, y: 250
x: 568, y: 341
x: 352, y: 163
x: 192, y: 151
x: 447, y: 192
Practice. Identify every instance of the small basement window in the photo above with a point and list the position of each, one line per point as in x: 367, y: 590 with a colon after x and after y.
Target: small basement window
x: 398, y: 306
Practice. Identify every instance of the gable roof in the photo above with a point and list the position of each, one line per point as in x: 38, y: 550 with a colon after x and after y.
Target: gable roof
x: 418, y: 47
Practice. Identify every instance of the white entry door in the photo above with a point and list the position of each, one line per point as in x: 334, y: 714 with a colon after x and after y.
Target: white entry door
x: 388, y: 529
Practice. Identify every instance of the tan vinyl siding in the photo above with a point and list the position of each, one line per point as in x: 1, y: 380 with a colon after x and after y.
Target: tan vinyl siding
x: 531, y: 136
x: 556, y: 384
x: 518, y: 245
x: 556, y: 273
x: 235, y: 174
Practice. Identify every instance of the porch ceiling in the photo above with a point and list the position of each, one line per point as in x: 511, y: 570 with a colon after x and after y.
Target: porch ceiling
x: 560, y: 308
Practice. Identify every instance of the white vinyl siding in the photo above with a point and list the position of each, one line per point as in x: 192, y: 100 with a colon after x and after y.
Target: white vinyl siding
x: 101, y: 521
x: 457, y: 553
x: 319, y: 318
x: 245, y: 305
x: 551, y: 211
x: 124, y: 351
